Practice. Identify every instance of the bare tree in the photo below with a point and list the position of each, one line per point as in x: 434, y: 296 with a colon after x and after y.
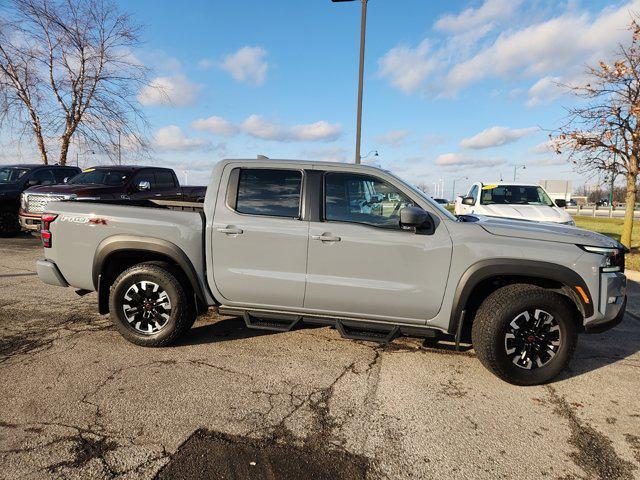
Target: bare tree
x: 67, y: 68
x: 603, y: 132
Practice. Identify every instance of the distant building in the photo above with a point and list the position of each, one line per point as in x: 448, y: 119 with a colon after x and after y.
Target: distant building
x: 558, y: 189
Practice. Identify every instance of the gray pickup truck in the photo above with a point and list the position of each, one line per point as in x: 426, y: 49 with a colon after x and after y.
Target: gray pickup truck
x: 283, y: 242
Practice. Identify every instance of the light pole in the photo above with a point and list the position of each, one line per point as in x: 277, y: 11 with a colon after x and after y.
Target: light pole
x: 372, y: 152
x: 515, y: 169
x: 453, y: 191
x: 363, y: 28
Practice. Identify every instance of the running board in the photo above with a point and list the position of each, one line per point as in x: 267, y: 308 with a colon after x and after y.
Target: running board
x: 272, y: 323
x: 355, y: 331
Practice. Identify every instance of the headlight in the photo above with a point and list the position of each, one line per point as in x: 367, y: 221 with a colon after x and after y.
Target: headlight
x: 571, y: 223
x: 613, y: 257
x: 23, y: 202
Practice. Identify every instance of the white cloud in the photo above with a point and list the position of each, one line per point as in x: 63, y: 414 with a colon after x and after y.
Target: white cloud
x: 553, y: 45
x: 205, y: 64
x: 247, y: 65
x: 395, y: 138
x: 489, y: 11
x: 407, y: 68
x: 461, y: 159
x: 495, y: 136
x: 545, y: 90
x: 334, y: 154
x: 543, y: 50
x: 175, y: 91
x: 214, y: 124
x: 258, y: 127
x: 549, y: 162
x: 172, y: 138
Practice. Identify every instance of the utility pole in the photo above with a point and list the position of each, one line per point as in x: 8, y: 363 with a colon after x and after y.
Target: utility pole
x: 363, y: 28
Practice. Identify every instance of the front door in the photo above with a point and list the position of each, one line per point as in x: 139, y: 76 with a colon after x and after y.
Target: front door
x: 259, y: 242
x: 361, y: 263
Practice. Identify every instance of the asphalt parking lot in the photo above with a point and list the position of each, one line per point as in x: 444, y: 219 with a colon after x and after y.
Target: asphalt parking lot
x: 78, y: 401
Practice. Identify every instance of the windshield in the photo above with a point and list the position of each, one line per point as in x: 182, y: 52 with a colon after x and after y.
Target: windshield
x: 431, y: 201
x: 514, y: 195
x: 112, y: 178
x: 11, y: 174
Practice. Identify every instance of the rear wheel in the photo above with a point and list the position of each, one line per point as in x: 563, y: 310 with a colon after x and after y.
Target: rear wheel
x: 524, y: 334
x: 149, y: 306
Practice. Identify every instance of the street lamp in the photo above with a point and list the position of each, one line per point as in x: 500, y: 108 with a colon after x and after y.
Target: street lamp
x: 363, y: 27
x: 453, y: 192
x: 372, y: 152
x: 515, y: 168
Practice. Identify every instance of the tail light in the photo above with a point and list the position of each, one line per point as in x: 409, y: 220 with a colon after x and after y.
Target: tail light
x: 45, y: 233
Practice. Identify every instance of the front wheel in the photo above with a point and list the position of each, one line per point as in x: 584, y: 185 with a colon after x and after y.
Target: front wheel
x: 524, y: 334
x: 149, y: 306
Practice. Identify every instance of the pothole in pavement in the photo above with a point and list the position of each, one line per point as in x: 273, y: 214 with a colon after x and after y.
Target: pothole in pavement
x: 215, y: 455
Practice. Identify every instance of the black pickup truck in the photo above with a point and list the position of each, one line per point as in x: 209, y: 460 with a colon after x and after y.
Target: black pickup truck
x: 108, y: 183
x: 14, y: 179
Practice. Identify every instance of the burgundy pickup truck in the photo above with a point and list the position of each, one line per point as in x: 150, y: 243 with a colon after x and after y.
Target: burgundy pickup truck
x: 107, y: 183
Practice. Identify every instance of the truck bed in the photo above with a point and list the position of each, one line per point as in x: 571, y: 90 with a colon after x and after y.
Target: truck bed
x: 85, y: 227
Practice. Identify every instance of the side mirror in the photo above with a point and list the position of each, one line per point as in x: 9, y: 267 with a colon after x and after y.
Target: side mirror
x: 468, y: 201
x: 413, y: 217
x: 144, y: 185
x: 33, y: 183
x: 65, y: 179
x: 561, y: 202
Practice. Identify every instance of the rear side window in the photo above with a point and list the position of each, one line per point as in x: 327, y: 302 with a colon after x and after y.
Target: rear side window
x: 164, y: 179
x: 269, y: 192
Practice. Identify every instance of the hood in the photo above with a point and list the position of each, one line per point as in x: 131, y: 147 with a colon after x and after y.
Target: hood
x: 538, y: 213
x: 548, y: 232
x: 79, y: 190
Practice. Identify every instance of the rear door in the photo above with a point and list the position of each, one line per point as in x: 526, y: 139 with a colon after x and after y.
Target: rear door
x: 361, y: 263
x: 166, y: 185
x: 259, y: 240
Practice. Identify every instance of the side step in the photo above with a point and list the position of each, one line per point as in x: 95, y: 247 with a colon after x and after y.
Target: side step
x: 273, y: 323
x: 369, y: 333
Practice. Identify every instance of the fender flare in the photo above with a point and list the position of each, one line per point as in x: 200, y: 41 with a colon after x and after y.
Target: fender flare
x: 485, y: 269
x: 132, y: 243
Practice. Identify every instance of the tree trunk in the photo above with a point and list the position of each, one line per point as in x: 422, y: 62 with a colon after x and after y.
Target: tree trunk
x: 64, y: 149
x: 630, y: 199
x: 41, y: 146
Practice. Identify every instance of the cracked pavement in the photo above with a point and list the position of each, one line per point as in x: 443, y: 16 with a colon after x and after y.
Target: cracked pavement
x: 78, y: 401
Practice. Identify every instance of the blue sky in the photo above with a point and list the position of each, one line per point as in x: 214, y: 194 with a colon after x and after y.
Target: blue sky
x: 452, y: 89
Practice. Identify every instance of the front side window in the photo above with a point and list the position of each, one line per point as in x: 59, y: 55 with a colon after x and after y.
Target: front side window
x: 269, y: 192
x: 363, y: 199
x: 12, y: 174
x: 514, y: 195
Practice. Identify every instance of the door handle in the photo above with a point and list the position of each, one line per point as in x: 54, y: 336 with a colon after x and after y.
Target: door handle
x: 326, y: 237
x: 229, y: 230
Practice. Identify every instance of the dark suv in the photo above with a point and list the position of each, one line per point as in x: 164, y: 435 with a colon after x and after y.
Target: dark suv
x: 14, y: 179
x: 108, y: 183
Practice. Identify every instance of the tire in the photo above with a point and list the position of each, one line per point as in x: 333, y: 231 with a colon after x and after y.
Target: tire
x: 524, y: 348
x: 9, y: 222
x: 149, y: 306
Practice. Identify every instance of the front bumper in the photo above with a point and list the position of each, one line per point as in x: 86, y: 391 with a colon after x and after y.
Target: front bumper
x: 612, y: 303
x: 30, y: 222
x: 50, y: 273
